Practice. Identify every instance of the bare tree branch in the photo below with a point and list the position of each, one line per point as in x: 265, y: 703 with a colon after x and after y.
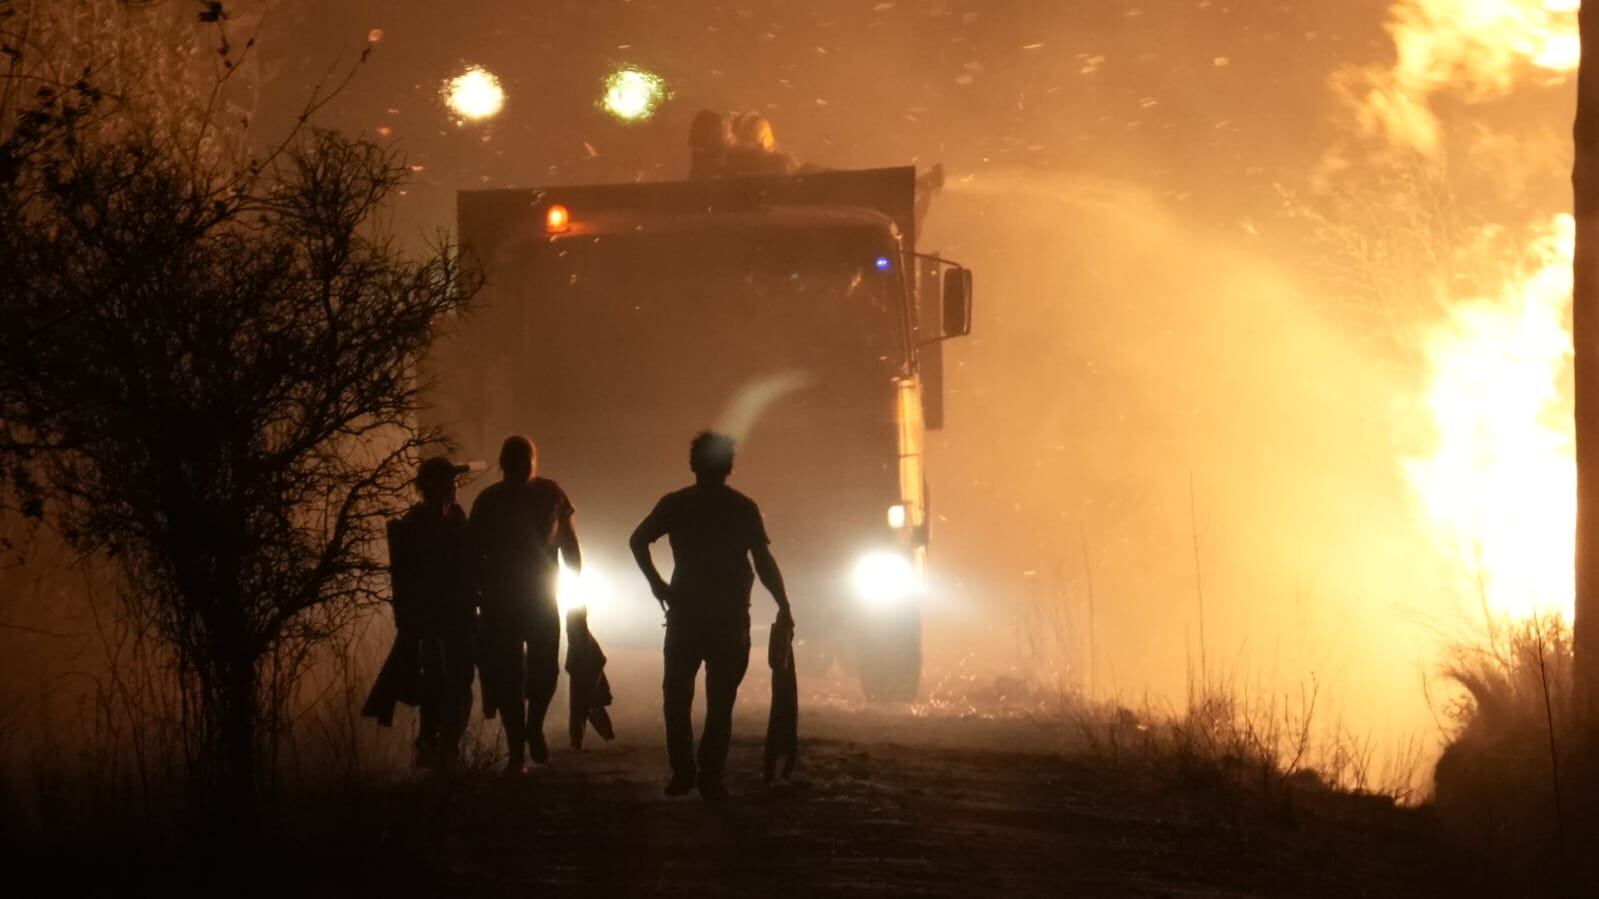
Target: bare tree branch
x: 209, y: 375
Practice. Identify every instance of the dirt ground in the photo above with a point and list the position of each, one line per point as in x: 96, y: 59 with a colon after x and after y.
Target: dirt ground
x: 884, y: 802
x: 881, y: 805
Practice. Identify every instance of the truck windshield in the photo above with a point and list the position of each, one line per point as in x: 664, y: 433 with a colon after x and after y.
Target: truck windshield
x: 613, y: 351
x: 766, y: 298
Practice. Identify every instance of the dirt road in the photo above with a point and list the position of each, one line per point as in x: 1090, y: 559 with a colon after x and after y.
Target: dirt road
x: 884, y: 803
x: 916, y: 816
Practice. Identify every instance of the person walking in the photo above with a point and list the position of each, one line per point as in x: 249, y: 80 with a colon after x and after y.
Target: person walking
x: 714, y: 532
x: 520, y: 534
x: 430, y: 664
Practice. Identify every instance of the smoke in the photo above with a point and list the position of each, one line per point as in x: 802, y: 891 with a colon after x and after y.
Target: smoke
x: 1160, y: 415
x: 744, y: 410
x: 1467, y: 50
x: 1153, y: 406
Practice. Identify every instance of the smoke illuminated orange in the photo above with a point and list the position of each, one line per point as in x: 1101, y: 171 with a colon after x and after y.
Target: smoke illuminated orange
x: 1470, y: 48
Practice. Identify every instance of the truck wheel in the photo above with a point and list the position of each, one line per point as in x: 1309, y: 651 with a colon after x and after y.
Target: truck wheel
x: 889, y: 658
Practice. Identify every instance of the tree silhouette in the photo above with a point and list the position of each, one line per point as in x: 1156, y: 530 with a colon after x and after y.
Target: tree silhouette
x: 1585, y: 343
x: 209, y: 373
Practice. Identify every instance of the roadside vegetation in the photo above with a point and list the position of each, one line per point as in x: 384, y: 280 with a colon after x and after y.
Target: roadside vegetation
x: 210, y: 386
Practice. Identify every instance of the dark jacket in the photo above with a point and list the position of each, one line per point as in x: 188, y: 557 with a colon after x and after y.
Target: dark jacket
x: 433, y: 599
x: 782, y: 726
x: 585, y: 670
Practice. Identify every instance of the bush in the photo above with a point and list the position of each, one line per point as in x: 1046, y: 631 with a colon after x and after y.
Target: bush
x: 1504, y: 785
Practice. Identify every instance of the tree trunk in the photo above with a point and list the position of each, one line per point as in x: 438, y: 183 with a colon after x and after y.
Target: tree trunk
x: 1585, y: 339
x: 233, y: 716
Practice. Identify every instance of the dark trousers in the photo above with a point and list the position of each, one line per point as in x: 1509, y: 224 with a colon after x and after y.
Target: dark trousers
x: 724, y: 649
x: 521, y: 663
x: 445, y: 692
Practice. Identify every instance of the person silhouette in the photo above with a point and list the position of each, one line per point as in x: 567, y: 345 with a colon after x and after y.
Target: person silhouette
x: 714, y: 531
x: 755, y: 151
x: 520, y: 532
x: 710, y: 136
x: 430, y: 664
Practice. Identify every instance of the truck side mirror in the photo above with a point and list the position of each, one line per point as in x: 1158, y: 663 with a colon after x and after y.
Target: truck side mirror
x: 957, y: 310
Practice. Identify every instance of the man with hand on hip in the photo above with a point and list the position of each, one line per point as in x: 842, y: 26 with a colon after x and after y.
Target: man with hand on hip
x: 714, y: 532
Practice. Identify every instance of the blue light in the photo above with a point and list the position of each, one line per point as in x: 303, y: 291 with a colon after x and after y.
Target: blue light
x: 883, y: 263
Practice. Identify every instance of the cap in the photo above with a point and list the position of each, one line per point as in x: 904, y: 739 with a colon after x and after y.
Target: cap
x: 439, y: 468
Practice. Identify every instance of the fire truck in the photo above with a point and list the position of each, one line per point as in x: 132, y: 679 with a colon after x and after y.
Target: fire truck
x: 790, y: 311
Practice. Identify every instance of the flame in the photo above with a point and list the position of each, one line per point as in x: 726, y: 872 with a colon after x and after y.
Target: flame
x: 1474, y: 49
x: 1498, y: 485
x: 1499, y: 489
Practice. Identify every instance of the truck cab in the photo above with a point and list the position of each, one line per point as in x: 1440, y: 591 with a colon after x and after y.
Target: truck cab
x: 791, y: 312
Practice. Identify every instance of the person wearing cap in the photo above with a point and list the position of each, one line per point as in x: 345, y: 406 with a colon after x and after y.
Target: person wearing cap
x: 430, y: 665
x: 520, y: 533
x: 709, y: 138
x: 715, y: 532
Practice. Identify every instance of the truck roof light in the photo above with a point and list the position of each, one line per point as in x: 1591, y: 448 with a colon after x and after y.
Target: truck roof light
x: 556, y: 219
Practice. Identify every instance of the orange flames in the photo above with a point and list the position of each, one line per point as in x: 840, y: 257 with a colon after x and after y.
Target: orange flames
x: 1500, y: 486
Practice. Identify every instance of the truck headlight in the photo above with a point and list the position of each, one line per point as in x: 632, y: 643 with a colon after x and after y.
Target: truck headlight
x: 898, y: 516
x: 585, y: 589
x: 884, y: 578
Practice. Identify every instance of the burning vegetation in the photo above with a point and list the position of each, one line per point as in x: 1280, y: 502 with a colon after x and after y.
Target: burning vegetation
x: 1501, y: 486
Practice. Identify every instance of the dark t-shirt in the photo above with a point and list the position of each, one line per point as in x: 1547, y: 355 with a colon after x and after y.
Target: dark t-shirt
x: 712, y: 530
x: 512, y: 534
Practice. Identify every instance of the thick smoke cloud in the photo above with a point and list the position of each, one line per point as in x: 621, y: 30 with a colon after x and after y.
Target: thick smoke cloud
x: 1160, y: 408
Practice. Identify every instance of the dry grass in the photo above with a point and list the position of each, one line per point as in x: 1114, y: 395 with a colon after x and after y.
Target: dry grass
x: 116, y: 758
x: 1233, y: 732
x: 1268, y: 747
x: 101, y: 748
x: 1505, y: 784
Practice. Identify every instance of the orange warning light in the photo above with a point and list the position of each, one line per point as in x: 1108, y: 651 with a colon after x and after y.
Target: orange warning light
x: 556, y: 219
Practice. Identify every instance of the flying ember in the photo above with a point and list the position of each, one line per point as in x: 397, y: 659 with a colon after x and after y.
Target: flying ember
x: 474, y: 94
x: 632, y: 94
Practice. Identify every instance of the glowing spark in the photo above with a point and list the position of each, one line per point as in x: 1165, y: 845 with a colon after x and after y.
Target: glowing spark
x: 633, y: 94
x: 1500, y: 486
x: 474, y: 94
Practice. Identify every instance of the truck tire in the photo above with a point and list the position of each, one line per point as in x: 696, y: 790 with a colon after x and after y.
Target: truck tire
x: 889, y: 658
